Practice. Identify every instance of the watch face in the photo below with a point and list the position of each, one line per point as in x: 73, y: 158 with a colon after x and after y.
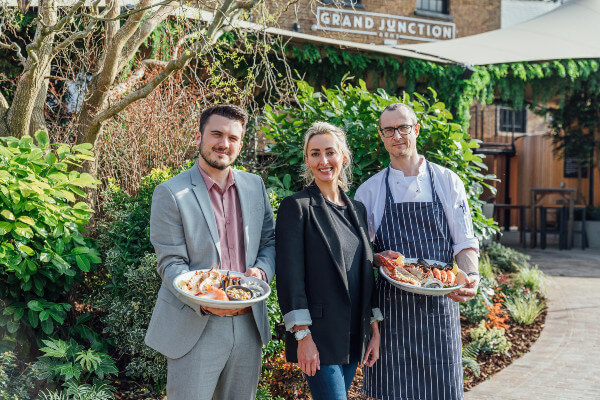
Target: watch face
x: 301, y: 334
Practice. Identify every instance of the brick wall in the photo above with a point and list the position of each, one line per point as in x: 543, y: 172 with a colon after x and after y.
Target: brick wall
x: 465, y: 17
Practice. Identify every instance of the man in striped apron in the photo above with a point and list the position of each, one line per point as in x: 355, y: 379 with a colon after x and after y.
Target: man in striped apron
x: 418, y: 209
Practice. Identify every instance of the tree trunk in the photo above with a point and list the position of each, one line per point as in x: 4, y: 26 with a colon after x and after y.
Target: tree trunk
x: 38, y: 117
x: 27, y: 94
x: 108, y: 70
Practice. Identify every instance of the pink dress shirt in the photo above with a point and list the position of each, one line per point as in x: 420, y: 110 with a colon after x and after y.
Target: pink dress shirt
x: 228, y: 215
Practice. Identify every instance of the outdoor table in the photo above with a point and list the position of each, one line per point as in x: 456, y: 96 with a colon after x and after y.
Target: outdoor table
x: 537, y: 194
x: 522, y: 218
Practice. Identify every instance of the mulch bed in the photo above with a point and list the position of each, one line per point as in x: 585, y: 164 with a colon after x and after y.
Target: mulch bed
x: 522, y: 337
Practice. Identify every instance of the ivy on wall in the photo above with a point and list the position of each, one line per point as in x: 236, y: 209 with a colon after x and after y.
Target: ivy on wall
x: 456, y: 86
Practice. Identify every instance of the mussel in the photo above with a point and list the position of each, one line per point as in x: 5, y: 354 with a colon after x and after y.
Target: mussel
x: 423, y: 264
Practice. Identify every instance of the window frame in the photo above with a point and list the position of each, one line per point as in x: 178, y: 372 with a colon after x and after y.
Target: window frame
x: 512, y: 120
x: 421, y: 9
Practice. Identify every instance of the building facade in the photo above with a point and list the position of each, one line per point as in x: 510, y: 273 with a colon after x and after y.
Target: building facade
x: 385, y: 22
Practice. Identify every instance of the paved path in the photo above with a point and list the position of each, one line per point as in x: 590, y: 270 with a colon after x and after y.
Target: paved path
x: 564, y: 363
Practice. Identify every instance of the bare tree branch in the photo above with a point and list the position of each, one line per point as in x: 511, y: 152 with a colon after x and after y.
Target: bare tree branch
x: 17, y: 49
x: 134, y: 78
x: 145, y: 90
x: 4, y: 106
x: 111, y: 27
x: 222, y: 16
x: 183, y: 39
x: 144, y: 30
x: 127, y: 14
x: 109, y: 65
x: 80, y: 34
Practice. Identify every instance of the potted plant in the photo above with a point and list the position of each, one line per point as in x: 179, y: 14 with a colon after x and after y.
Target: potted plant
x: 592, y: 227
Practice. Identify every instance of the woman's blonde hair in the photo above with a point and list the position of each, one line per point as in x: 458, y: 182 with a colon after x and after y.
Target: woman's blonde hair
x: 322, y: 128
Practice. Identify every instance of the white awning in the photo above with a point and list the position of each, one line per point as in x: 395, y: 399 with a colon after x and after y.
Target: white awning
x: 569, y: 31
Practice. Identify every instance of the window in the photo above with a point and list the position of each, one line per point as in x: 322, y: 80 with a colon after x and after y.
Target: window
x: 345, y: 3
x: 512, y: 120
x: 436, y: 6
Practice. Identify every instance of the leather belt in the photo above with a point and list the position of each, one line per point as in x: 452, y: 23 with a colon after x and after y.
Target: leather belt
x: 240, y: 312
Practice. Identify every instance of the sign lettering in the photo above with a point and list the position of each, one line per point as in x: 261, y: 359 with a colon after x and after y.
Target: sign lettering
x: 383, y: 25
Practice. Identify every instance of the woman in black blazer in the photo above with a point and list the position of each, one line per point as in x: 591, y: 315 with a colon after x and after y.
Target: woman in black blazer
x: 325, y: 281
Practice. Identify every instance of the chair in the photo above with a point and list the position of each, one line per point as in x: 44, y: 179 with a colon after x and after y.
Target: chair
x: 582, y: 232
x: 554, y: 220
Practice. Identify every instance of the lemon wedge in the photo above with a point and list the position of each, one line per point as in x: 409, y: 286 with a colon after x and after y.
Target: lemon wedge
x: 400, y: 260
x: 455, y: 269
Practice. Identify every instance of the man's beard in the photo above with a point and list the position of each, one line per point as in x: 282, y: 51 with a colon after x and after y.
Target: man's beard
x: 215, y: 164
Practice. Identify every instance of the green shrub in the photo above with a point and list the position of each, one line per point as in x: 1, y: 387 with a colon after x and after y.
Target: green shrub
x: 531, y: 278
x: 471, y: 364
x: 124, y: 232
x: 524, y: 310
x: 43, y: 249
x: 263, y: 393
x: 127, y: 319
x: 486, y: 268
x: 356, y: 110
x: 492, y: 340
x: 505, y: 258
x: 63, y: 362
x: 476, y: 309
x: 279, y: 189
x: 15, y: 380
x: 74, y: 391
x: 130, y: 263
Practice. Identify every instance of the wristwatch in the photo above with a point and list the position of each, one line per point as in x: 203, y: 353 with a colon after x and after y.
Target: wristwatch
x: 301, y: 334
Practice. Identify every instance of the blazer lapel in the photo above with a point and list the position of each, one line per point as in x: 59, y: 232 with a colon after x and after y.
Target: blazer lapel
x: 325, y: 225
x: 199, y: 188
x: 244, y: 195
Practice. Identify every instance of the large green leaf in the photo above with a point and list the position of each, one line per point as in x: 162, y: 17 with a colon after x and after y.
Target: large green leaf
x: 26, y: 249
x: 42, y: 138
x: 83, y: 263
x: 5, y: 227
x: 8, y: 215
x: 27, y: 220
x: 24, y: 230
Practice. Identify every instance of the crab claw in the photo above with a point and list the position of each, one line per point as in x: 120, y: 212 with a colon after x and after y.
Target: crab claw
x: 388, y: 263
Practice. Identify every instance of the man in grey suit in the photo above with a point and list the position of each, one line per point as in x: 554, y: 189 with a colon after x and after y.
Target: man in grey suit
x: 211, y: 215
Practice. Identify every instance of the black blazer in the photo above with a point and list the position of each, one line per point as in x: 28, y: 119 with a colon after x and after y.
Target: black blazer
x: 311, y: 275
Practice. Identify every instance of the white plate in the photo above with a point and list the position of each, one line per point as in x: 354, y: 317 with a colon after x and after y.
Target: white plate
x: 203, y: 301
x: 461, y: 277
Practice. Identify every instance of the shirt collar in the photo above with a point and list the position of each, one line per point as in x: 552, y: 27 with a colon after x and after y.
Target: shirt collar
x: 210, y: 183
x: 422, y: 168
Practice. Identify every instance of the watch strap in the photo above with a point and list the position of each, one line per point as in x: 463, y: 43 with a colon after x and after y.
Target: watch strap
x: 301, y: 334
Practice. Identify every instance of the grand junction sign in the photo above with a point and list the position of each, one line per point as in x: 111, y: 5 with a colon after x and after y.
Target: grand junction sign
x: 389, y: 27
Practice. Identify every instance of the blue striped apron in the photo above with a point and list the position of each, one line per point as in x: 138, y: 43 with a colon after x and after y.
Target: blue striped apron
x: 420, y: 356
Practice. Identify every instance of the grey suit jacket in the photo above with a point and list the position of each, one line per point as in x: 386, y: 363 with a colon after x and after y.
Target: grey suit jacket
x: 184, y: 234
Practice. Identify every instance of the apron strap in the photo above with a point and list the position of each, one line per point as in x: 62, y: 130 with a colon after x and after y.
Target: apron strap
x: 388, y: 192
x: 434, y: 196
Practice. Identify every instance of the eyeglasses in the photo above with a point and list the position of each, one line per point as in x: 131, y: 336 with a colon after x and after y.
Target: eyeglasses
x: 403, y: 130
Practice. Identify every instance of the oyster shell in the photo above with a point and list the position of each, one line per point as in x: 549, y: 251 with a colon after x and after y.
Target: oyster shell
x: 432, y: 283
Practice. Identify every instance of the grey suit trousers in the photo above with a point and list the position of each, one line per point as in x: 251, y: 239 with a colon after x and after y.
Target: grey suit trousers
x: 223, y: 365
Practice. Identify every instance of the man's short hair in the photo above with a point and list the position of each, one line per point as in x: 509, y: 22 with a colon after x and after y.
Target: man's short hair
x: 228, y: 111
x: 397, y: 106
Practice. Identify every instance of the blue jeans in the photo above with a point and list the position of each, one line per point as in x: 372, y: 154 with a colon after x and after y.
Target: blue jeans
x: 332, y: 382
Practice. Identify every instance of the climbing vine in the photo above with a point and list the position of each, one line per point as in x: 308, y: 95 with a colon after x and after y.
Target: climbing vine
x: 456, y: 86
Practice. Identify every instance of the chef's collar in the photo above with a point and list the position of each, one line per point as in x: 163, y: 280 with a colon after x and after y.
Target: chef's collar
x: 422, y: 168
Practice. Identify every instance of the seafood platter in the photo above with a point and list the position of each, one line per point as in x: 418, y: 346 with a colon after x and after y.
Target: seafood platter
x: 421, y: 276
x: 221, y: 288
